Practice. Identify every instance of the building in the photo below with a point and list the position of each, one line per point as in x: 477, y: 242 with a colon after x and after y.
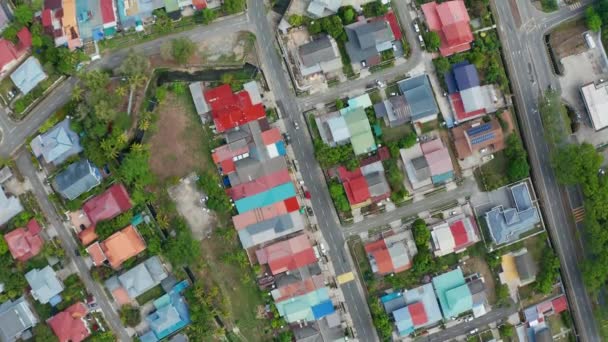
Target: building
x: 457, y: 296
x: 58, y: 18
x: 287, y: 255
x: 57, y: 144
x: 108, y: 205
x: 279, y: 193
x: 16, y: 320
x: 308, y: 307
x: 416, y: 168
x: 296, y: 287
x: 121, y: 246
x: 271, y: 229
x: 477, y: 137
x: 11, y: 53
x: 136, y: 281
x: 257, y: 215
x: 108, y: 17
x: 419, y: 98
x: 392, y: 254
x: 518, y: 268
x: 365, y: 185
x: 508, y: 224
x: 9, y: 207
x: 454, y: 235
x: 25, y: 243
x: 76, y: 179
x: 451, y: 21
x: 69, y: 325
x: 27, y: 76
x: 367, y: 40
x: 5, y: 174
x: 413, y: 309
x: 323, y: 8
x: 438, y: 160
x: 169, y: 316
x: 394, y: 110
x: 4, y: 19
x: 45, y: 285
x: 319, y: 56
x: 595, y: 96
x: 228, y: 110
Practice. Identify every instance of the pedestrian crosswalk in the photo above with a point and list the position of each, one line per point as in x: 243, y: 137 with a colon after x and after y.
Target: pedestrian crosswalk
x: 575, y: 5
x: 579, y: 214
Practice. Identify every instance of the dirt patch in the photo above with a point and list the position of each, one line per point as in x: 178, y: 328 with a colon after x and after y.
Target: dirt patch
x: 187, y: 198
x: 479, y: 265
x: 177, y: 146
x: 567, y: 39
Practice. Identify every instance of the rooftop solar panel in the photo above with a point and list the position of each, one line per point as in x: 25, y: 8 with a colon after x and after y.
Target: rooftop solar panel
x: 479, y: 129
x: 483, y: 138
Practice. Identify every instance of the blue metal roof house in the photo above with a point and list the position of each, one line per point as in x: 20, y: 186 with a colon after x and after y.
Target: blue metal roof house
x: 463, y: 76
x: 419, y: 97
x: 77, y: 179
x: 28, y: 75
x: 57, y: 144
x: 171, y: 315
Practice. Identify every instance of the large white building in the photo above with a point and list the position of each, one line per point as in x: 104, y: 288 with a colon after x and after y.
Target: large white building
x: 595, y: 96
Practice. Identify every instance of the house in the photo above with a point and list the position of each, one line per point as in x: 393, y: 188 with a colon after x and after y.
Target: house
x: 478, y: 137
x: 136, y: 281
x: 518, y: 268
x: 323, y: 8
x: 416, y: 168
x: 412, y: 309
x: 45, y: 285
x: 359, y: 130
x: 451, y: 21
x: 394, y: 110
x: 27, y: 76
x: 367, y: 40
x: 10, y: 53
x: 287, y: 255
x: 259, y: 185
x: 9, y: 207
x: 108, y: 17
x: 508, y: 224
x: 227, y: 109
x: 457, y: 296
x: 16, y: 318
x: 392, y: 254
x: 419, y: 98
x: 108, y: 205
x: 57, y: 144
x: 69, y: 325
x: 595, y: 97
x: 308, y: 307
x: 271, y: 229
x: 169, y: 316
x: 172, y: 9
x: 59, y: 21
x: 365, y: 185
x: 297, y: 288
x: 319, y: 56
x: 76, y: 179
x: 438, y: 160
x: 279, y: 193
x: 25, y: 243
x: 122, y: 245
x: 257, y: 215
x: 454, y: 235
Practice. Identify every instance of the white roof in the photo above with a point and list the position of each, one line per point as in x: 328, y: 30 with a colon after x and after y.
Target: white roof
x: 338, y: 128
x: 472, y: 99
x: 254, y: 92
x: 596, y: 101
x: 443, y: 239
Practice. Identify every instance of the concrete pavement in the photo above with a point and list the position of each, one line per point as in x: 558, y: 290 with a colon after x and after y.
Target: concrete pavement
x: 524, y: 51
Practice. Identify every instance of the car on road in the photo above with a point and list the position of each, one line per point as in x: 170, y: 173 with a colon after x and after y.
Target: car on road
x: 296, y: 125
x: 323, y: 250
x: 473, y: 332
x: 309, y: 211
x: 421, y: 40
x: 468, y: 319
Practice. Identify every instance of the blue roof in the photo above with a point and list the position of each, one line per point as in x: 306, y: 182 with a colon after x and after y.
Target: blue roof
x: 419, y: 96
x: 442, y: 178
x: 57, y: 144
x: 170, y: 316
x: 479, y: 129
x: 28, y: 75
x: 77, y: 179
x: 466, y: 76
x: 397, y: 303
x: 403, y: 319
x: 268, y: 197
x: 323, y: 309
x: 281, y: 147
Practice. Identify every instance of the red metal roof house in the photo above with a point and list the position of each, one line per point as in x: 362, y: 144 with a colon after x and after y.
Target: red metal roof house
x: 287, y: 255
x: 451, y: 21
x: 10, y: 53
x: 25, y: 243
x: 108, y: 205
x: 230, y: 110
x: 69, y: 325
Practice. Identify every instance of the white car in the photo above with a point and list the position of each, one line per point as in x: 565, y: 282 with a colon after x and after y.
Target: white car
x: 416, y: 28
x: 323, y: 250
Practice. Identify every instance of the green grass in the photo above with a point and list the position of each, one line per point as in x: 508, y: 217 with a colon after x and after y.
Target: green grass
x: 395, y: 133
x: 491, y: 175
x: 150, y: 295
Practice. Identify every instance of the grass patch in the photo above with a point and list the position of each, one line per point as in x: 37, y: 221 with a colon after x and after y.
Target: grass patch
x: 492, y: 175
x: 395, y: 133
x: 150, y: 295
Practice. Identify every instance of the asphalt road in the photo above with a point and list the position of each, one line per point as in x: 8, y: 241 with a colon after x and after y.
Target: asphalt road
x: 524, y: 47
x: 24, y: 163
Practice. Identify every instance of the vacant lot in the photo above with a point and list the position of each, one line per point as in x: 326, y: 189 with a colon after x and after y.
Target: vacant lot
x: 178, y: 145
x: 568, y: 39
x: 479, y: 265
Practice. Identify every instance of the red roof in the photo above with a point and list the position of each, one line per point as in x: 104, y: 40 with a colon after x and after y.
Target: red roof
x: 271, y: 136
x: 8, y: 53
x: 451, y: 21
x: 108, y: 205
x: 107, y: 11
x: 287, y: 255
x: 68, y: 325
x: 379, y: 252
x: 355, y: 185
x: 256, y: 215
x: 459, y: 233
x: 24, y: 243
x: 199, y: 4
x: 458, y: 105
x: 291, y: 204
x: 418, y: 313
x: 392, y: 21
x: 25, y: 40
x: 560, y: 304
x: 230, y: 110
x: 46, y: 17
x: 259, y: 185
x: 298, y: 288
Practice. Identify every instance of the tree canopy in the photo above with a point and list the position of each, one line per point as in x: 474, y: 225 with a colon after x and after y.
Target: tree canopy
x: 182, y: 49
x: 233, y: 6
x: 134, y: 65
x: 432, y: 40
x: 593, y: 19
x: 517, y: 162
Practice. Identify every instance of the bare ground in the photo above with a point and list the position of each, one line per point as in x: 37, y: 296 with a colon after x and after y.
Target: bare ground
x: 568, y: 39
x: 478, y: 265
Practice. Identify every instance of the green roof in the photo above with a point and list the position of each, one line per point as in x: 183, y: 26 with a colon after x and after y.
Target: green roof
x: 300, y: 308
x: 360, y: 131
x: 171, y: 6
x: 453, y: 293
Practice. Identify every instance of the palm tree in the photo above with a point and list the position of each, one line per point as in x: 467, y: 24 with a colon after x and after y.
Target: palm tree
x: 77, y: 93
x: 137, y: 80
x: 144, y: 124
x: 138, y: 147
x: 109, y: 148
x: 121, y: 91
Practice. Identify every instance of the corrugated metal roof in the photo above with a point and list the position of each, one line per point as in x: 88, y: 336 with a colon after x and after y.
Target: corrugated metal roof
x: 262, y: 199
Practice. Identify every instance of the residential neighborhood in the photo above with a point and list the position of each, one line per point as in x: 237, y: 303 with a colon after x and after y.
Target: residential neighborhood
x: 302, y: 170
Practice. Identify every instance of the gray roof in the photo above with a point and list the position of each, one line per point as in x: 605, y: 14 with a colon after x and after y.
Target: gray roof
x: 58, y: 144
x: 143, y: 277
x: 27, y: 76
x: 521, y: 196
x: 15, y: 318
x: 367, y: 40
x: 526, y: 267
x: 9, y: 207
x: 398, y: 112
x: 478, y: 291
x: 249, y: 169
x: 507, y: 224
x: 77, y: 179
x: 271, y: 229
x: 380, y: 109
x: 253, y: 90
x: 377, y: 184
x: 543, y: 335
x: 319, y: 50
x: 421, y: 167
x: 318, y: 7
x: 472, y: 99
x: 419, y: 97
x: 196, y: 90
x: 5, y: 174
x: 44, y: 284
x: 394, y: 304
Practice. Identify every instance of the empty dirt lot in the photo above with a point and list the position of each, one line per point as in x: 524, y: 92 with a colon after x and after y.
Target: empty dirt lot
x: 568, y: 39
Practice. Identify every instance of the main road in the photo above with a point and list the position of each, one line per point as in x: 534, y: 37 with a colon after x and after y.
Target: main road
x: 525, y: 53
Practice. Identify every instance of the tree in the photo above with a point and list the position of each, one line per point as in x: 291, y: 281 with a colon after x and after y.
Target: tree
x: 296, y: 20
x: 183, y: 249
x: 593, y: 19
x: 432, y: 40
x: 23, y: 14
x: 313, y: 28
x: 10, y: 32
x: 347, y: 14
x: 134, y: 169
x: 333, y: 26
x: 105, y: 111
x: 548, y: 272
x: 340, y: 104
x: 423, y: 262
x: 129, y: 315
x: 442, y: 65
x: 506, y: 330
x: 182, y: 49
x: 205, y: 16
x: 578, y: 164
x: 374, y: 9
x: 338, y: 195
x: 134, y: 64
x: 233, y: 6
x: 422, y: 234
x: 517, y: 162
x: 3, y: 246
x: 43, y: 332
x: 502, y: 294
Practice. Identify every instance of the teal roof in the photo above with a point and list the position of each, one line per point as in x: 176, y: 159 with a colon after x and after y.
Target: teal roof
x: 454, y: 295
x: 171, y: 6
x: 268, y: 197
x: 361, y: 101
x: 300, y: 308
x: 360, y: 131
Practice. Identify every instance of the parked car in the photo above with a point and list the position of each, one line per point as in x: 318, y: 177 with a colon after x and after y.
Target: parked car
x: 416, y: 27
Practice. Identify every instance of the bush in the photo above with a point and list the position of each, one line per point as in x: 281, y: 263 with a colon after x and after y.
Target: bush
x: 374, y: 9
x: 130, y: 316
x: 338, y: 195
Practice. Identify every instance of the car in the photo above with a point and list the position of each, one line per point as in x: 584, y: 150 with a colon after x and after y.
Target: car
x: 364, y: 63
x: 421, y: 40
x: 394, y: 47
x: 309, y: 211
x: 473, y: 332
x: 416, y: 27
x: 468, y: 319
x: 296, y: 125
x: 323, y: 250
x: 307, y: 194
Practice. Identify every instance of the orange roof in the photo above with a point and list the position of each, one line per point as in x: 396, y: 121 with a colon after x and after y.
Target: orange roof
x: 88, y: 235
x: 123, y: 245
x: 96, y: 254
x: 121, y: 296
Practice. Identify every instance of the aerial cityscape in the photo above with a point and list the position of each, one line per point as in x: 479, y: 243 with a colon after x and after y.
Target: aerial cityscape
x: 303, y: 170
